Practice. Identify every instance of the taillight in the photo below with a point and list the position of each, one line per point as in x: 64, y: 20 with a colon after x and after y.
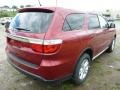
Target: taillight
x: 48, y: 46
x: 37, y: 45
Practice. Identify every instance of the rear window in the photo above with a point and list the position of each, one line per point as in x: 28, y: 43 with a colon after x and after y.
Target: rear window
x: 73, y: 22
x: 34, y: 22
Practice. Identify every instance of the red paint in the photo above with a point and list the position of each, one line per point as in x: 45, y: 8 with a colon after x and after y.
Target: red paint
x: 62, y: 59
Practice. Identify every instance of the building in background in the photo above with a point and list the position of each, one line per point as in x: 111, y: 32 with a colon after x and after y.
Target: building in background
x: 6, y: 8
x: 115, y: 14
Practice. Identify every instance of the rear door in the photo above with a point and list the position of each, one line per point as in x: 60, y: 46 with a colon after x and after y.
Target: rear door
x: 26, y: 34
x: 98, y: 41
x: 72, y: 33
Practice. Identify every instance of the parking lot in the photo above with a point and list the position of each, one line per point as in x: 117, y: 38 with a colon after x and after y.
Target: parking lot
x: 104, y: 74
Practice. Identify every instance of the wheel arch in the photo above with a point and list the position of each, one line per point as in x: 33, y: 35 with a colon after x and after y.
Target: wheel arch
x: 87, y: 50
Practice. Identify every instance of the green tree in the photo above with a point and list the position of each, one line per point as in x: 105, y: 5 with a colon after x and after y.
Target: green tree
x: 22, y: 6
x: 14, y: 7
x: 28, y: 6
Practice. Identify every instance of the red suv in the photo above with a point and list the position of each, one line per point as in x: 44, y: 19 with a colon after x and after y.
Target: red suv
x: 56, y: 43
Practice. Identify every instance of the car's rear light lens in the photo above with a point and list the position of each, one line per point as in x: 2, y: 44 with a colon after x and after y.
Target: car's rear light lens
x: 51, y: 48
x: 48, y: 46
x: 37, y: 47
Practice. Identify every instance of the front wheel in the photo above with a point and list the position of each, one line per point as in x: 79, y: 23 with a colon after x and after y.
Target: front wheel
x: 82, y: 69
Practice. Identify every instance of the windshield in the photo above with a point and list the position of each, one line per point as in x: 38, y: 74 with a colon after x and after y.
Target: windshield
x: 35, y: 22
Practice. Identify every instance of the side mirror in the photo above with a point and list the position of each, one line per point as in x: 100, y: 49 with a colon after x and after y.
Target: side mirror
x: 7, y: 25
x: 111, y: 25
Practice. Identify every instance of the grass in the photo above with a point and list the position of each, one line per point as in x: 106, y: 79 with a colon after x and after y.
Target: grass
x: 67, y: 87
x: 118, y: 69
x: 7, y: 13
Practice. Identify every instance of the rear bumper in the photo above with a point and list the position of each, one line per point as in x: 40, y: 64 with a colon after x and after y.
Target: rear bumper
x: 26, y: 72
x: 46, y: 74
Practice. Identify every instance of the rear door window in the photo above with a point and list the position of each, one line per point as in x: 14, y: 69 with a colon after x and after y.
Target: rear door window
x: 73, y: 22
x: 93, y: 22
x: 35, y: 22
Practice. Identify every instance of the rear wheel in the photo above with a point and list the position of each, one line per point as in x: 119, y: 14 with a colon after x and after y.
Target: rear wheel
x: 82, y: 69
x: 112, y: 46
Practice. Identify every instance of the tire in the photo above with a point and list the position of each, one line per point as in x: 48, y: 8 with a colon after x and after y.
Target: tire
x: 2, y: 23
x: 112, y: 46
x: 82, y: 69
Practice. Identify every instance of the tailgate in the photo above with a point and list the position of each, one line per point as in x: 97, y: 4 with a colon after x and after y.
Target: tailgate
x: 26, y: 34
x: 20, y: 46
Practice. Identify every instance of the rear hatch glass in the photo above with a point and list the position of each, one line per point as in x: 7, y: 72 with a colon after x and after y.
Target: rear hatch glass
x: 34, y: 22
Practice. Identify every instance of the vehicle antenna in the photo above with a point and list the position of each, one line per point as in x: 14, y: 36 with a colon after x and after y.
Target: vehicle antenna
x: 39, y: 3
x: 56, y: 3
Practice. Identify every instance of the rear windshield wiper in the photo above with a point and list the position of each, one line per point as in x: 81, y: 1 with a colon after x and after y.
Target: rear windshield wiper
x: 22, y: 29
